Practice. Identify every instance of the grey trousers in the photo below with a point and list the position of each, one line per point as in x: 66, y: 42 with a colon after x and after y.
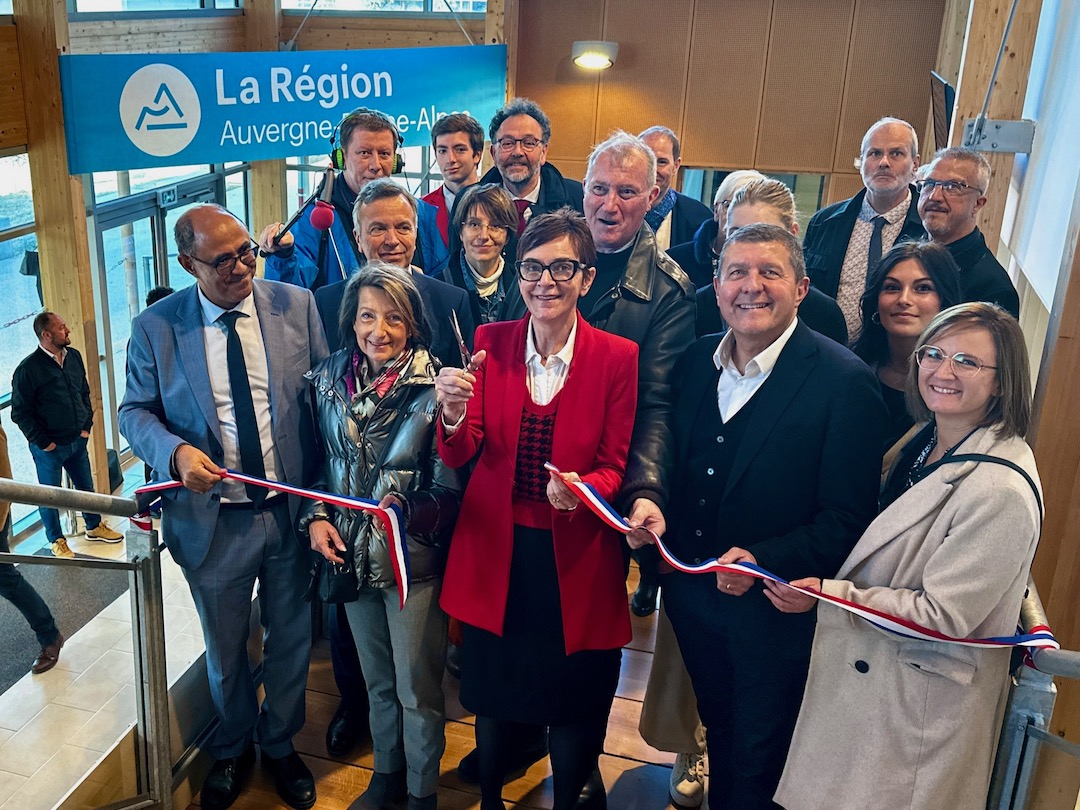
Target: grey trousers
x: 250, y: 546
x: 403, y: 654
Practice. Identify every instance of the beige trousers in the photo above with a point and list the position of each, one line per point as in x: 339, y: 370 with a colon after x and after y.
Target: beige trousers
x: 669, y: 717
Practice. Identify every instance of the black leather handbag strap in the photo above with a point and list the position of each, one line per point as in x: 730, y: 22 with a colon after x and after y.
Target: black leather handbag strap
x: 983, y: 457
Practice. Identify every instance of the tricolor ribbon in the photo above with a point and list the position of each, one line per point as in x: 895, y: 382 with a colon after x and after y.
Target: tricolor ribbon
x: 393, y: 521
x: 1039, y: 637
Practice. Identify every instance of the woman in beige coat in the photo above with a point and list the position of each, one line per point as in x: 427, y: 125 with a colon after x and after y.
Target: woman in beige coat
x: 896, y: 723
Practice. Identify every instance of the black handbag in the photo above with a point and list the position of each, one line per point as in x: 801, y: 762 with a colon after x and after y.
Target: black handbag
x: 334, y: 583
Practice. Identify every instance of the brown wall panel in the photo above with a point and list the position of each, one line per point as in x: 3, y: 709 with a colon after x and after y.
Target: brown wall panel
x: 573, y: 169
x: 645, y: 85
x: 546, y: 74
x: 724, y: 83
x: 879, y: 55
x: 162, y: 35
x: 344, y: 33
x: 804, y: 83
x: 12, y: 112
x: 841, y: 187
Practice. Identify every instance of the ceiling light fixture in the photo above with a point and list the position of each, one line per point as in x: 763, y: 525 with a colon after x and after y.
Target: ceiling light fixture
x: 595, y: 54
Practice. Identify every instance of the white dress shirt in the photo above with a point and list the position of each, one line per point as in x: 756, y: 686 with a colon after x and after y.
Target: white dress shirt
x: 735, y: 389
x: 215, y: 339
x: 545, y: 380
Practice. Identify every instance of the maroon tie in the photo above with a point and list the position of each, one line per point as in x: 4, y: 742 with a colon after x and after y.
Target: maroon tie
x: 522, y: 207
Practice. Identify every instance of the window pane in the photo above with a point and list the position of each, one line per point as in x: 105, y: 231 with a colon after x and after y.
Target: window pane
x: 16, y: 200
x: 236, y: 196
x: 135, y: 5
x: 111, y: 185
x: 358, y: 5
x: 6, y: 6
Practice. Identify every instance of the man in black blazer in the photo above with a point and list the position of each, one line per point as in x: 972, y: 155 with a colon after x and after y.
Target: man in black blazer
x: 381, y: 212
x: 841, y: 238
x: 778, y: 433
x: 674, y: 217
x: 385, y: 229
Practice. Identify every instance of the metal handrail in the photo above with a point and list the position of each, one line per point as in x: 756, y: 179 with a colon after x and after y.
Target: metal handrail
x: 1063, y: 663
x: 143, y: 564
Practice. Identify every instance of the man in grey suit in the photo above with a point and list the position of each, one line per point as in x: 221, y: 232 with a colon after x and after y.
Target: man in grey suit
x: 215, y: 381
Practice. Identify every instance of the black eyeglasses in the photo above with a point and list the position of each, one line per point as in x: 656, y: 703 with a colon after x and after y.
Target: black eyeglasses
x: 560, y: 269
x: 226, y: 265
x: 931, y: 358
x: 950, y: 188
x: 528, y: 143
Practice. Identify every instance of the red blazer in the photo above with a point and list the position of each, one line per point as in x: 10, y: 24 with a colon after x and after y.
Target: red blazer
x: 592, y: 436
x: 442, y: 216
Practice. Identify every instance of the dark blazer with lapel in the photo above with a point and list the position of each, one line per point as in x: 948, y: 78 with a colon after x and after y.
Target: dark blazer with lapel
x: 440, y: 299
x: 829, y: 231
x: 804, y: 481
x: 169, y: 400
x: 686, y: 216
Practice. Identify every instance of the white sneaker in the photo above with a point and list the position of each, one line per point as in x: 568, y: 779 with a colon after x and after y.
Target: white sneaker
x: 688, y: 780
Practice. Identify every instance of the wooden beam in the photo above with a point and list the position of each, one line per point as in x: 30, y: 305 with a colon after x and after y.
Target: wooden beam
x: 1056, y: 441
x: 12, y: 112
x: 501, y: 28
x: 59, y: 206
x: 954, y: 23
x: 986, y: 26
x: 267, y: 177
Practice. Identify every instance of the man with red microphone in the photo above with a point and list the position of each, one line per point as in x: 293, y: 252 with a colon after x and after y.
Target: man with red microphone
x: 316, y: 249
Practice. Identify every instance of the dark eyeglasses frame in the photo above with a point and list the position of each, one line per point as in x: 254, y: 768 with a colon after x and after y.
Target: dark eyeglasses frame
x: 550, y: 268
x: 950, y: 188
x: 226, y: 265
x: 507, y: 144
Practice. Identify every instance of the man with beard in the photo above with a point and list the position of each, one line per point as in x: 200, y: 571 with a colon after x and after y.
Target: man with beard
x: 950, y: 197
x: 846, y: 240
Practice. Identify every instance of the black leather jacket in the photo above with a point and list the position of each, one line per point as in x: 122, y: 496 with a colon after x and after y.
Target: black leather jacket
x: 394, y: 451
x: 654, y: 307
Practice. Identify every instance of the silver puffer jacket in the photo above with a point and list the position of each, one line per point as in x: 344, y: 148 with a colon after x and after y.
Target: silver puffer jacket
x: 393, y: 450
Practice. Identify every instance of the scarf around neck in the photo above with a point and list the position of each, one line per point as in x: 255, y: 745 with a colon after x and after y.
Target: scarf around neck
x: 663, y: 207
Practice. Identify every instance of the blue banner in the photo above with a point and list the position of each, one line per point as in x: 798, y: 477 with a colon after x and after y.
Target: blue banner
x: 127, y: 111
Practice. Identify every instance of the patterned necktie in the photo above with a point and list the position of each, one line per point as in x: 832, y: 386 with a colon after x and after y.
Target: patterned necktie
x: 522, y: 206
x: 873, y: 256
x: 247, y: 426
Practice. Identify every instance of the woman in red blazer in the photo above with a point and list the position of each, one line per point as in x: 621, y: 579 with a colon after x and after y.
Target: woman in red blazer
x: 535, y: 578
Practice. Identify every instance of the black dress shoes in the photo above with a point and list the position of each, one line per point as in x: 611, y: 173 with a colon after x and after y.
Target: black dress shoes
x: 226, y: 779
x: 594, y: 794
x: 517, y: 761
x: 294, y: 782
x: 643, y: 603
x: 345, y: 730
x: 383, y: 791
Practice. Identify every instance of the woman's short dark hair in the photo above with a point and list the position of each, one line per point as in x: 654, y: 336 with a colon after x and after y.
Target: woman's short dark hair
x: 872, y: 342
x: 399, y: 288
x: 551, y: 227
x: 1010, y: 410
x: 492, y: 199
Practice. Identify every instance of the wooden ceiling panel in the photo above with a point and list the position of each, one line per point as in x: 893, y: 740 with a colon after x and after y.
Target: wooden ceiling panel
x: 888, y: 71
x: 724, y: 82
x: 804, y: 81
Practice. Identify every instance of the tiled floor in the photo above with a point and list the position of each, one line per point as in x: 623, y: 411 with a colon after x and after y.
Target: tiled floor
x: 55, y: 727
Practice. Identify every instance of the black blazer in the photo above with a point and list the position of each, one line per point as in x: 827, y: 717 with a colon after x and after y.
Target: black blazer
x: 440, y: 299
x: 817, y: 310
x: 686, y: 216
x: 829, y: 231
x: 804, y: 481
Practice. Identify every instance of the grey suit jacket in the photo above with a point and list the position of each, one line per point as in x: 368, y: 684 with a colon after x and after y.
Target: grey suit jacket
x: 169, y: 401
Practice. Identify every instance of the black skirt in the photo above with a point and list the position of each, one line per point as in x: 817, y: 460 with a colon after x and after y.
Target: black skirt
x: 525, y: 676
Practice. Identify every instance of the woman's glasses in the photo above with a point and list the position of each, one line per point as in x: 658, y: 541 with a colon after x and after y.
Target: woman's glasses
x: 930, y: 358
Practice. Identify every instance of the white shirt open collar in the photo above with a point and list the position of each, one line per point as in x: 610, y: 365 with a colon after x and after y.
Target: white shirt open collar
x: 735, y: 389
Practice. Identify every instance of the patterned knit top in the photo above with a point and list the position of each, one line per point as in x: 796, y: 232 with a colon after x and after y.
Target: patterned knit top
x: 531, y: 507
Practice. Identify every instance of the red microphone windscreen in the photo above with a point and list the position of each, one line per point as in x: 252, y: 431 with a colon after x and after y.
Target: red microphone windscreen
x: 322, y: 216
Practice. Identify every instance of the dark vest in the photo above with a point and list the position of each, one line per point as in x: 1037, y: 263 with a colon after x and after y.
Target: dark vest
x: 704, y: 472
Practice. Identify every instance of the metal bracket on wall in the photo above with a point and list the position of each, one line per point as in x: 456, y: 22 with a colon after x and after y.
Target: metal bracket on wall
x: 989, y: 135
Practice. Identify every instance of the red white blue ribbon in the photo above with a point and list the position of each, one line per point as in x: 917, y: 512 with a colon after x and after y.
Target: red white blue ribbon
x: 1039, y: 637
x: 392, y: 520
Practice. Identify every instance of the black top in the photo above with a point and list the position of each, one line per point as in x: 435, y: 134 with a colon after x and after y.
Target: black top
x: 51, y: 403
x: 982, y: 278
x: 609, y: 272
x: 900, y: 420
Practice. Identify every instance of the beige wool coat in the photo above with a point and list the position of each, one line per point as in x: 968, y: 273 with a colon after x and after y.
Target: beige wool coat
x: 892, y: 723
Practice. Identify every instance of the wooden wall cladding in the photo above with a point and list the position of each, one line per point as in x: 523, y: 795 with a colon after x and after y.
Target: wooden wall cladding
x: 334, y: 33
x: 728, y: 48
x: 12, y: 112
x: 162, y: 35
x: 546, y: 73
x: 877, y: 54
x: 645, y: 85
x: 804, y: 85
x: 841, y: 187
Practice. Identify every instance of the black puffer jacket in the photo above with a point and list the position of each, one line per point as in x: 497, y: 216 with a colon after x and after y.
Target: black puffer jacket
x: 392, y: 451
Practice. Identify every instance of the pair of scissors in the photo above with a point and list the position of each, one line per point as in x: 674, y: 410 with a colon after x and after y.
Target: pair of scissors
x: 466, y: 355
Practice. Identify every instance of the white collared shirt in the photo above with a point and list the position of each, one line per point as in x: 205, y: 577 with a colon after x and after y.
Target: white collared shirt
x: 215, y: 339
x: 663, y: 233
x: 533, y: 197
x: 448, y: 197
x: 58, y: 360
x: 734, y: 389
x: 545, y: 380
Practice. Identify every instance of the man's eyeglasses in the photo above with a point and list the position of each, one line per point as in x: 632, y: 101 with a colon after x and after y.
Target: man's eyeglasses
x: 474, y: 227
x: 950, y: 188
x: 930, y: 358
x: 560, y: 269
x: 227, y: 264
x: 528, y: 143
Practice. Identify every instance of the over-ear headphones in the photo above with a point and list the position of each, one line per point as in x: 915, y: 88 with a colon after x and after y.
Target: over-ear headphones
x: 337, y: 150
